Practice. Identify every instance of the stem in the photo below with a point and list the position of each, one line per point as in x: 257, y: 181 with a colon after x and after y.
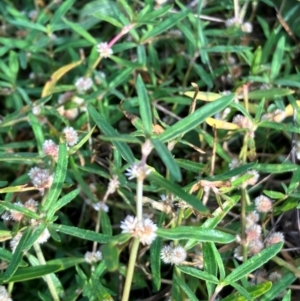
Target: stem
x: 139, y: 199
x: 130, y: 269
x: 48, y: 279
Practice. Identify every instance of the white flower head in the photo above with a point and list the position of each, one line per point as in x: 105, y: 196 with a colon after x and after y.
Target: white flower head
x: 174, y: 255
x: 179, y: 255
x: 263, y: 204
x: 41, y: 178
x: 144, y: 229
x: 166, y: 254
x: 104, y: 50
x: 100, y: 206
x: 83, y: 84
x: 50, y: 148
x: 4, y: 294
x: 92, y: 257
x: 247, y: 27
x: 137, y: 170
x: 70, y: 135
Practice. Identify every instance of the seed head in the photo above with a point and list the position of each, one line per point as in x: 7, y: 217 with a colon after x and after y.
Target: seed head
x: 92, y: 257
x: 70, y: 135
x: 137, y: 170
x: 172, y: 255
x: 166, y: 254
x: 104, y: 50
x: 4, y: 294
x: 247, y: 27
x: 263, y: 204
x: 274, y: 238
x: 144, y: 230
x: 253, y: 232
x: 41, y: 178
x: 83, y: 84
x: 50, y: 148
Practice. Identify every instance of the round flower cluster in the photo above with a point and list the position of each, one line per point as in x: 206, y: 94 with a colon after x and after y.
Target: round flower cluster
x: 92, y: 257
x: 173, y: 255
x: 70, y: 135
x: 254, y: 240
x: 41, y: 178
x: 144, y: 229
x: 83, y: 84
x: 104, y: 50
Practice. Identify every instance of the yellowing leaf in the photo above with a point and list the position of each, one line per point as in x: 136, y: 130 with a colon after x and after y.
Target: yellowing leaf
x: 205, y: 96
x: 289, y: 110
x: 56, y: 76
x: 221, y: 124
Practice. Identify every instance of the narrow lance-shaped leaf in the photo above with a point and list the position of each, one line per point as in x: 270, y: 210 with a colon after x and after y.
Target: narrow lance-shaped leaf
x: 189, y: 232
x: 145, y: 108
x: 167, y: 158
x: 107, y: 129
x: 190, y: 122
x: 59, y: 177
x: 253, y: 263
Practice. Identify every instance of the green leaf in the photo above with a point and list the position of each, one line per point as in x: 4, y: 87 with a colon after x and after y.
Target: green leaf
x: 27, y: 158
x: 81, y: 31
x: 190, y: 122
x: 283, y: 283
x: 274, y: 194
x: 190, y: 165
x: 177, y: 191
x: 66, y: 262
x: 58, y: 178
x: 28, y: 24
x: 209, y: 266
x: 189, y: 232
x: 225, y: 49
x: 219, y: 213
x: 277, y: 58
x: 111, y: 256
x: 165, y: 25
x: 62, y: 202
x: 256, y: 62
x: 185, y: 288
x: 286, y: 127
x: 167, y: 158
x: 13, y: 65
x: 155, y: 262
x: 198, y: 274
x: 255, y: 291
x: 108, y: 19
x: 253, y: 263
x: 7, y: 256
x: 105, y: 223
x: 276, y: 168
x: 27, y: 212
x: 17, y: 255
x: 107, y: 129
x: 61, y: 11
x: 81, y: 233
x: 38, y: 131
x: 269, y: 93
x: 30, y: 273
x: 145, y: 107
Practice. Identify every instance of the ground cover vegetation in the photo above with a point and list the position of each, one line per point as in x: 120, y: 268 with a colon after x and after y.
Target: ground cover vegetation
x: 148, y: 150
